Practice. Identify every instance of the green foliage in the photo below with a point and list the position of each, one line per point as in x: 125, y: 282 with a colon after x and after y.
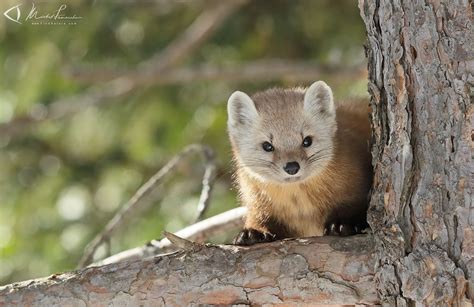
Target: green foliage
x: 62, y: 181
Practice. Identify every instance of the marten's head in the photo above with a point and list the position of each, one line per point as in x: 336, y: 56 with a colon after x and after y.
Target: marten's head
x: 283, y: 135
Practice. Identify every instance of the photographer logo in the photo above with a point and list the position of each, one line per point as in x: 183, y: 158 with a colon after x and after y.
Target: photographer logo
x: 57, y: 16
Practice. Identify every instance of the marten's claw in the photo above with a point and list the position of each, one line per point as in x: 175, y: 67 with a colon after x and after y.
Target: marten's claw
x: 337, y: 229
x: 252, y: 236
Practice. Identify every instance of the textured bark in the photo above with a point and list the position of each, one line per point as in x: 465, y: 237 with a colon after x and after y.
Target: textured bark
x: 421, y: 60
x: 324, y: 270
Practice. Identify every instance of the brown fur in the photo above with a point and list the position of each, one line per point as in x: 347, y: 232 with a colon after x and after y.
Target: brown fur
x: 338, y: 191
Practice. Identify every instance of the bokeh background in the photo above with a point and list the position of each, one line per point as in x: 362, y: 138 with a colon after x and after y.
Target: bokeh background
x: 75, y: 147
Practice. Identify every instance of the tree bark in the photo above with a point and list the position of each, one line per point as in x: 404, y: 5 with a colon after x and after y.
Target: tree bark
x: 421, y: 60
x: 324, y: 270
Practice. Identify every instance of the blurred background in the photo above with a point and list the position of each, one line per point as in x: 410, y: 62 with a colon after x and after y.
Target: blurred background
x: 94, y: 104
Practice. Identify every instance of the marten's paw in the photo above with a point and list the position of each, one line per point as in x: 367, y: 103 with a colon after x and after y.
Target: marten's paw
x: 251, y: 236
x: 342, y: 229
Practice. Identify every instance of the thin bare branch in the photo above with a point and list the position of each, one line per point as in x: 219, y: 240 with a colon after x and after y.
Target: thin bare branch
x: 200, y: 232
x: 136, y: 201
x: 261, y: 70
x: 207, y: 183
x: 196, y: 34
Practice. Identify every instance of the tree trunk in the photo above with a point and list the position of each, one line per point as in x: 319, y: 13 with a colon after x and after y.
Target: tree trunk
x: 325, y: 270
x: 421, y: 60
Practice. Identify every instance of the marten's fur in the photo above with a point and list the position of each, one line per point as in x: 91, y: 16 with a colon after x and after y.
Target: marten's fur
x: 330, y: 192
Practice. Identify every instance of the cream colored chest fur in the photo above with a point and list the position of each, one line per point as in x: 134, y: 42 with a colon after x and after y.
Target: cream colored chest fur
x: 299, y: 203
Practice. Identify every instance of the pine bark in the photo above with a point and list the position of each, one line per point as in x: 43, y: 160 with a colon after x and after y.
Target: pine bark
x: 421, y: 60
x: 324, y: 270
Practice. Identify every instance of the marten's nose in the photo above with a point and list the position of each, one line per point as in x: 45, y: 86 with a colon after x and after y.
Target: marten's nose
x: 292, y: 167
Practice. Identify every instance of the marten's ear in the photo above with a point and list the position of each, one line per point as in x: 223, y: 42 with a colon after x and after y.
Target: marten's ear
x: 241, y: 109
x: 318, y: 100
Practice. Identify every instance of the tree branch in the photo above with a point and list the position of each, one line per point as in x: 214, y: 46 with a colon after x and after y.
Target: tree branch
x: 137, y: 199
x: 207, y: 181
x: 199, y: 232
x: 197, y: 33
x: 320, y: 270
x: 260, y: 70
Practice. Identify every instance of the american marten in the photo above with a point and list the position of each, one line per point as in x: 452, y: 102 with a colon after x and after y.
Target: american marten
x: 303, y: 165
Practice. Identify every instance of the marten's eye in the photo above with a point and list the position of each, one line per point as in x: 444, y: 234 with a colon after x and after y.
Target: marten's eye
x: 307, y: 141
x: 267, y: 146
